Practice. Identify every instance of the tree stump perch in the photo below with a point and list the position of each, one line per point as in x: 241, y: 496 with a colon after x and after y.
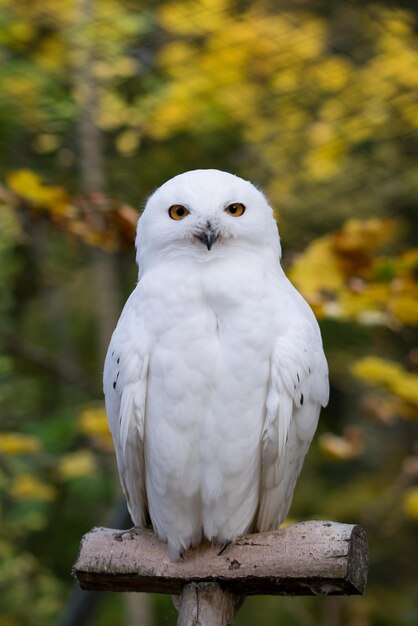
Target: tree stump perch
x: 206, y: 604
x: 309, y: 558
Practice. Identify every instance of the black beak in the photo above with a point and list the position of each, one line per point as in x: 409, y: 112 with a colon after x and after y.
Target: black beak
x: 208, y: 237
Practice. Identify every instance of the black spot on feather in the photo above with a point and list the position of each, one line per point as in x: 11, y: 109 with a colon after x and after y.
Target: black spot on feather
x: 117, y: 360
x: 301, y: 398
x: 114, y: 384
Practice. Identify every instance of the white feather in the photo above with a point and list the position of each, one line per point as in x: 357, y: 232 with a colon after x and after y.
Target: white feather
x: 215, y: 373
x: 298, y: 388
x: 125, y: 383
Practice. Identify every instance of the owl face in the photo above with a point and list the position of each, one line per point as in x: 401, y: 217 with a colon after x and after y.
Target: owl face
x: 203, y: 213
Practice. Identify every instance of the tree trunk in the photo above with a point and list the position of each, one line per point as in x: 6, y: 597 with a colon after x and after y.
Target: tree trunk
x: 104, y: 280
x: 92, y: 177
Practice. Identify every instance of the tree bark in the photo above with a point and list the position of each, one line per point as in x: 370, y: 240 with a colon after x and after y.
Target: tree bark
x: 207, y: 604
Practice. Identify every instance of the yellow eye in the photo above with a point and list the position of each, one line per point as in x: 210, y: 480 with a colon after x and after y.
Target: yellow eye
x: 236, y: 209
x: 178, y: 212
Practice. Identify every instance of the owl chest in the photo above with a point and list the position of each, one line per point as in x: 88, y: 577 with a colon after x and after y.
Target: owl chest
x: 211, y: 339
x: 212, y: 308
x: 212, y: 342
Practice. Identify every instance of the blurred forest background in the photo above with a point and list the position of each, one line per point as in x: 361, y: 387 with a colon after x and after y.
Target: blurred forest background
x: 102, y: 101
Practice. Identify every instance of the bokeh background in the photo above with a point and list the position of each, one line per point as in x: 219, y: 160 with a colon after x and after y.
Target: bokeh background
x: 100, y: 102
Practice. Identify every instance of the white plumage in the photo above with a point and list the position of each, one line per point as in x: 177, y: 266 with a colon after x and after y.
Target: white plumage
x: 215, y: 374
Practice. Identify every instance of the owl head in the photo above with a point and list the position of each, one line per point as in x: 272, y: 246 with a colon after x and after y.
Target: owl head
x: 205, y: 214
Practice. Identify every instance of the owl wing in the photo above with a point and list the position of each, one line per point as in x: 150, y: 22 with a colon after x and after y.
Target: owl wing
x: 298, y: 387
x: 125, y: 389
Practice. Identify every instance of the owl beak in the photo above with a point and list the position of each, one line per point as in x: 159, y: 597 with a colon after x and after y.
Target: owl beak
x: 208, y: 237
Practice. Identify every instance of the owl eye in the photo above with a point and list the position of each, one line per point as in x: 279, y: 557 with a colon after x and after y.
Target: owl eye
x: 236, y: 209
x: 178, y: 212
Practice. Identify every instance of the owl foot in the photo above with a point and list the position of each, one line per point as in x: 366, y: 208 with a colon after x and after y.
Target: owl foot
x: 131, y: 532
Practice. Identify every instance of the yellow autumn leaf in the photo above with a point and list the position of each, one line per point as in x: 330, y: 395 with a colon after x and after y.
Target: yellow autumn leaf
x: 125, y: 67
x: 127, y: 142
x: 367, y: 305
x: 392, y: 376
x: 51, y: 54
x: 366, y: 235
x: 404, y: 307
x: 16, y: 443
x: 408, y: 260
x: 177, y: 52
x: 77, y: 465
x: 317, y: 269
x: 197, y: 16
x: 28, y: 487
x: 46, y: 142
x: 333, y: 73
x: 22, y: 31
x: 28, y: 185
x: 21, y: 88
x: 325, y: 160
x: 289, y: 521
x: 376, y: 370
x: 93, y: 423
x: 342, y: 448
x: 406, y: 387
x: 410, y: 503
x: 322, y: 272
x: 321, y: 132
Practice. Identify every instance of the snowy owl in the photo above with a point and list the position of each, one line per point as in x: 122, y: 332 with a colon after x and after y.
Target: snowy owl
x: 215, y: 374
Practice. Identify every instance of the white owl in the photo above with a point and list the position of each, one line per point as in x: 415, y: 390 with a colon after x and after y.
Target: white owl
x: 215, y: 374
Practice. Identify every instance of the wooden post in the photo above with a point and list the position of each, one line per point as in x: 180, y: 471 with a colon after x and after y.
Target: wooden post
x: 206, y: 604
x: 309, y: 558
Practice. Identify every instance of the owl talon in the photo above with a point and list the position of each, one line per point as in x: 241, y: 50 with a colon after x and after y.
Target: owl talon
x: 224, y: 546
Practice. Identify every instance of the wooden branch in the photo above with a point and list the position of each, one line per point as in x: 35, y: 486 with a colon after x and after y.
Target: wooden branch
x: 309, y: 558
